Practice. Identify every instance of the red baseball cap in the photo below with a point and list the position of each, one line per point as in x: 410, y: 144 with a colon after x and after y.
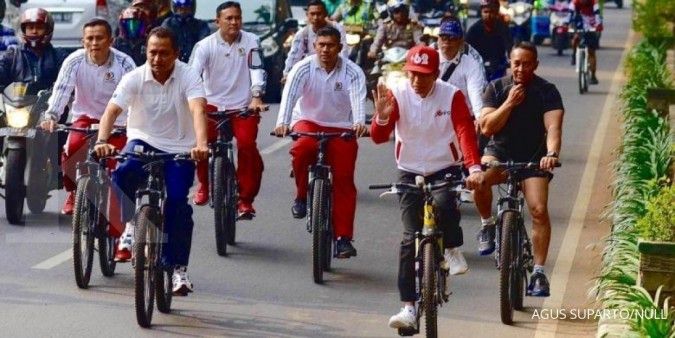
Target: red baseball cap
x: 422, y: 59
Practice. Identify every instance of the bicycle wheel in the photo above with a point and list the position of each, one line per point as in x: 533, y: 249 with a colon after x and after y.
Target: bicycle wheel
x: 163, y: 283
x: 429, y: 300
x: 223, y: 204
x: 318, y: 219
x: 83, y: 234
x: 145, y: 259
x: 106, y: 244
x: 328, y: 235
x: 231, y: 204
x: 518, y: 290
x: 507, y: 266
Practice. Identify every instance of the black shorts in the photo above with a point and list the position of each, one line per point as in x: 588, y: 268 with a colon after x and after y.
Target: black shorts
x: 592, y: 40
x: 501, y: 155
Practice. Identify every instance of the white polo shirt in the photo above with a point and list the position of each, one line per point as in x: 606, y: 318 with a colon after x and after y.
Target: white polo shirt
x: 336, y: 99
x: 93, y: 85
x: 228, y: 81
x: 469, y: 76
x: 303, y: 45
x: 159, y: 114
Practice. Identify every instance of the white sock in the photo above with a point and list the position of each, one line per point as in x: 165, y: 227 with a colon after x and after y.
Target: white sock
x: 539, y: 268
x: 487, y: 221
x: 129, y: 229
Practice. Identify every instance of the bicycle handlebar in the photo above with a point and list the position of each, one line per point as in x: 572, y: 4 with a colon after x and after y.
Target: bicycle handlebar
x: 510, y: 165
x: 243, y: 112
x: 318, y: 135
x: 89, y: 130
x: 151, y: 156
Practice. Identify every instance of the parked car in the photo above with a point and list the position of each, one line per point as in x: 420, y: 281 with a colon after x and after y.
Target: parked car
x: 70, y: 15
x: 273, y: 22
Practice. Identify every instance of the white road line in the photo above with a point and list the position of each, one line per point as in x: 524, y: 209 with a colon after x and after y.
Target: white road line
x: 54, y: 261
x: 568, y: 247
x: 275, y: 146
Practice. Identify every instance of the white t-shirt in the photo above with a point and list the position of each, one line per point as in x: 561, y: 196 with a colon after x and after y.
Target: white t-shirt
x: 329, y: 100
x: 93, y: 85
x: 228, y: 80
x: 469, y: 76
x: 159, y: 114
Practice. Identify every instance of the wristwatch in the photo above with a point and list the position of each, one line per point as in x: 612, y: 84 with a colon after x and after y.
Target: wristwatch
x: 101, y: 142
x: 552, y: 154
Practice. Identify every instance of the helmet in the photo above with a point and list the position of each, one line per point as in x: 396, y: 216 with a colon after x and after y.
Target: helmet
x: 149, y: 8
x: 192, y: 4
x: 37, y: 15
x: 133, y: 23
x: 397, y: 5
x: 489, y: 3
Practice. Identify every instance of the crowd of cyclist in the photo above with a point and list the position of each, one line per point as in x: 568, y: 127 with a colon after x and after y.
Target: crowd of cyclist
x: 163, y: 69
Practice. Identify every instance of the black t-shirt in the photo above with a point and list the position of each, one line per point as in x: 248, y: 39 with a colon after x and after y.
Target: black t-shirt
x: 523, y: 137
x: 493, y: 46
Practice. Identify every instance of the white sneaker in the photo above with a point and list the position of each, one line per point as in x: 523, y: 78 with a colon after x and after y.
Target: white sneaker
x: 181, y: 283
x: 454, y: 262
x: 406, y: 318
x: 126, y: 241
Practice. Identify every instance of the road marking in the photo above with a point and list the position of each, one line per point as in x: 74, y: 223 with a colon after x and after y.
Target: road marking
x: 54, y: 261
x: 275, y: 146
x: 568, y: 247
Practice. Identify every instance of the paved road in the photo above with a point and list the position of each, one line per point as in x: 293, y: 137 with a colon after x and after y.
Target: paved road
x: 264, y: 288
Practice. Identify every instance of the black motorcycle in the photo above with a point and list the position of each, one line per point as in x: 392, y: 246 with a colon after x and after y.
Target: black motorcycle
x: 25, y: 154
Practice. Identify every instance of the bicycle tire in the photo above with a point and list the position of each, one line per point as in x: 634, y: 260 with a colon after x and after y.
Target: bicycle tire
x: 518, y: 290
x: 506, y: 259
x: 15, y: 190
x: 219, y: 205
x: 317, y: 219
x: 231, y: 205
x: 328, y: 234
x: 429, y: 288
x: 83, y: 235
x: 144, y: 267
x: 106, y: 243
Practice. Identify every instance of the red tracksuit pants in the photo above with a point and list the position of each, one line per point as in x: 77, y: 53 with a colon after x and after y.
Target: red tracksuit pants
x: 75, y: 151
x: 341, y: 156
x: 249, y: 162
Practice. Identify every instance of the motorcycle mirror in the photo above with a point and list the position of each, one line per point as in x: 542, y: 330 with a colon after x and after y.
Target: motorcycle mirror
x: 255, y: 59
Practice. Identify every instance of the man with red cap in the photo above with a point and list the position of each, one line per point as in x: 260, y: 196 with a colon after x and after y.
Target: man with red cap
x: 435, y: 135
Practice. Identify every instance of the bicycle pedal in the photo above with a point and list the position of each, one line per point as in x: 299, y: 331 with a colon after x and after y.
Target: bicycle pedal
x: 408, y: 331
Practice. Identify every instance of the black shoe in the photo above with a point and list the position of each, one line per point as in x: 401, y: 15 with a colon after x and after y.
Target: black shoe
x: 594, y: 80
x: 299, y: 209
x: 344, y: 248
x: 538, y: 285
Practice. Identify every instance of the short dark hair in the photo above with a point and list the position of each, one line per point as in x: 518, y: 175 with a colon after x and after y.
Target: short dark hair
x: 317, y: 3
x: 226, y: 5
x: 98, y: 21
x: 163, y: 33
x: 526, y: 45
x: 329, y: 31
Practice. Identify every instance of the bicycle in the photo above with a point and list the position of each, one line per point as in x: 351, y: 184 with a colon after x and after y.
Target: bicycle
x: 222, y: 174
x: 581, y: 55
x: 431, y: 278
x: 90, y: 220
x: 513, y: 253
x: 320, y: 204
x: 151, y: 278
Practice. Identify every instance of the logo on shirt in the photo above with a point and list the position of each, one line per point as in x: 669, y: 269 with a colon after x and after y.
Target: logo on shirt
x: 442, y: 113
x: 241, y: 51
x: 109, y: 76
x: 338, y: 86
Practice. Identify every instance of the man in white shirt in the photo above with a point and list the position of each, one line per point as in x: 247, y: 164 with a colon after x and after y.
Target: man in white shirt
x: 222, y: 61
x: 165, y: 103
x: 326, y: 93
x: 92, y: 73
x: 303, y: 40
x: 435, y: 135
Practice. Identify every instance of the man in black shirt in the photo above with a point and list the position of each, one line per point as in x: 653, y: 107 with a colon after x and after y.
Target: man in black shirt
x: 523, y: 113
x: 491, y: 38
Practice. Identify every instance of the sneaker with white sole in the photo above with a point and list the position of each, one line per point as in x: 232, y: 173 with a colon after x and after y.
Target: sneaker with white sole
x: 126, y: 244
x: 181, y: 283
x: 405, y: 319
x: 454, y: 262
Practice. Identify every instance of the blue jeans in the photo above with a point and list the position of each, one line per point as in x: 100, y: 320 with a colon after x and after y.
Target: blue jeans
x: 178, y: 178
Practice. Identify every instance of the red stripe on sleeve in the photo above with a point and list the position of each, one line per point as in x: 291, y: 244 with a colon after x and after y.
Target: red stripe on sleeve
x: 465, y: 130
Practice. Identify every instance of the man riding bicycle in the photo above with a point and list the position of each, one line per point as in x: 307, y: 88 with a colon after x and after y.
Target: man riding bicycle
x: 434, y: 135
x: 326, y: 92
x: 227, y: 52
x: 303, y: 40
x: 523, y: 114
x: 165, y: 103
x: 491, y: 38
x: 587, y: 15
x: 92, y: 73
x: 399, y: 32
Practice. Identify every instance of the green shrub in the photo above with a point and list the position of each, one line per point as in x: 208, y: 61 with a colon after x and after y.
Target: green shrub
x: 654, y: 19
x: 658, y: 224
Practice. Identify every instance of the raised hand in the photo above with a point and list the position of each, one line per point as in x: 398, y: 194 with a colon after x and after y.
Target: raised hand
x: 383, y: 105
